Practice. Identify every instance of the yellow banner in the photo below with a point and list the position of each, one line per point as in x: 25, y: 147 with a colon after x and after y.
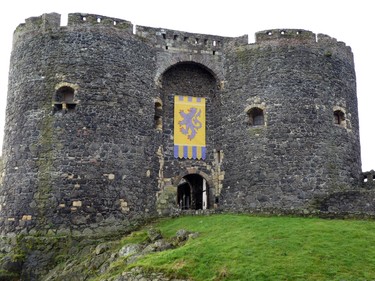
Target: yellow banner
x: 189, y: 127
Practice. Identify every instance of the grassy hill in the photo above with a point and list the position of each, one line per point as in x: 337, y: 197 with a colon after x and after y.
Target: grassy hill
x: 253, y: 248
x: 231, y: 247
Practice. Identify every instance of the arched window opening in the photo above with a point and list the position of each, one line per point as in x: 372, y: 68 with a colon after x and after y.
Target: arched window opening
x: 158, y: 121
x: 339, y: 118
x: 256, y: 116
x: 64, y: 99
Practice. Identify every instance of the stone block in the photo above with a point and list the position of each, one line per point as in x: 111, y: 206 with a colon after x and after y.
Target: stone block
x: 77, y: 203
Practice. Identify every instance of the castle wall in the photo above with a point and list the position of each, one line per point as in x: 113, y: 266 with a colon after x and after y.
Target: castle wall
x: 299, y: 153
x: 89, y: 125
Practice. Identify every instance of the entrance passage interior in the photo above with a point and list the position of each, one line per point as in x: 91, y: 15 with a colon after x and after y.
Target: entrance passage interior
x: 192, y: 193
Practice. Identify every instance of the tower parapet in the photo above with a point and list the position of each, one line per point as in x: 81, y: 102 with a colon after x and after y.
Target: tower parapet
x: 77, y: 19
x: 280, y: 35
x: 169, y: 39
x: 368, y: 179
x: 43, y: 23
x: 290, y: 37
x: 333, y: 47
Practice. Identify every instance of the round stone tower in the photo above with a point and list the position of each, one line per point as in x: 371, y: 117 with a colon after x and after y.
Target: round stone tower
x: 291, y: 121
x: 78, y: 142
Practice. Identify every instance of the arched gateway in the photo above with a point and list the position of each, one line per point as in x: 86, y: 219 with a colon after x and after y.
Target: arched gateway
x: 190, y: 94
x: 192, y: 193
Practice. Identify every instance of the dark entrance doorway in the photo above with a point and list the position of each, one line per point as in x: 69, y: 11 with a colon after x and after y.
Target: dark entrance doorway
x: 192, y: 193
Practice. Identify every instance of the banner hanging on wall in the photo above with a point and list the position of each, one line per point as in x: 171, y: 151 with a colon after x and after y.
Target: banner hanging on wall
x: 189, y: 127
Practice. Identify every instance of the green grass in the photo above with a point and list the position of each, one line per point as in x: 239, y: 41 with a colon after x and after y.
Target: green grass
x: 242, y: 247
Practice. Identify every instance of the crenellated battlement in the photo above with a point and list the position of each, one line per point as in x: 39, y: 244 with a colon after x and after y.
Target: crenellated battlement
x: 53, y: 21
x: 329, y: 44
x: 285, y: 34
x: 368, y: 179
x: 296, y: 35
x: 169, y: 39
x: 43, y: 22
x: 76, y: 19
x: 175, y: 40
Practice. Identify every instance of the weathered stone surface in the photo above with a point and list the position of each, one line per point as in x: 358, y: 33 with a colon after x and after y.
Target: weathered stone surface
x: 182, y: 235
x: 154, y: 234
x: 101, y: 248
x: 89, y: 136
x: 10, y: 265
x: 130, y: 250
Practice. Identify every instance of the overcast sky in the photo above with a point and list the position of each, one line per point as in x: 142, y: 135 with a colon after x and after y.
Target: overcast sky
x: 349, y: 21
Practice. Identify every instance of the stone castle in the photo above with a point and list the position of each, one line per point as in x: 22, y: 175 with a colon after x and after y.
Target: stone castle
x: 90, y: 136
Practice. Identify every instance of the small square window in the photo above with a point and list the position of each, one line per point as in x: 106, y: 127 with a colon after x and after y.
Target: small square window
x: 256, y: 116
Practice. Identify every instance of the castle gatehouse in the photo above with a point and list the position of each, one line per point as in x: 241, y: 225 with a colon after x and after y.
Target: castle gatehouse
x: 108, y: 123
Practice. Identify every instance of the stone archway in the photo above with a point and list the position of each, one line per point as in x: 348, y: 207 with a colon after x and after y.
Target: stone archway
x: 193, y: 193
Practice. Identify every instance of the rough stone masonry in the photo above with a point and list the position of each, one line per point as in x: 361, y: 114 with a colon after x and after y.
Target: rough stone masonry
x: 89, y: 137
